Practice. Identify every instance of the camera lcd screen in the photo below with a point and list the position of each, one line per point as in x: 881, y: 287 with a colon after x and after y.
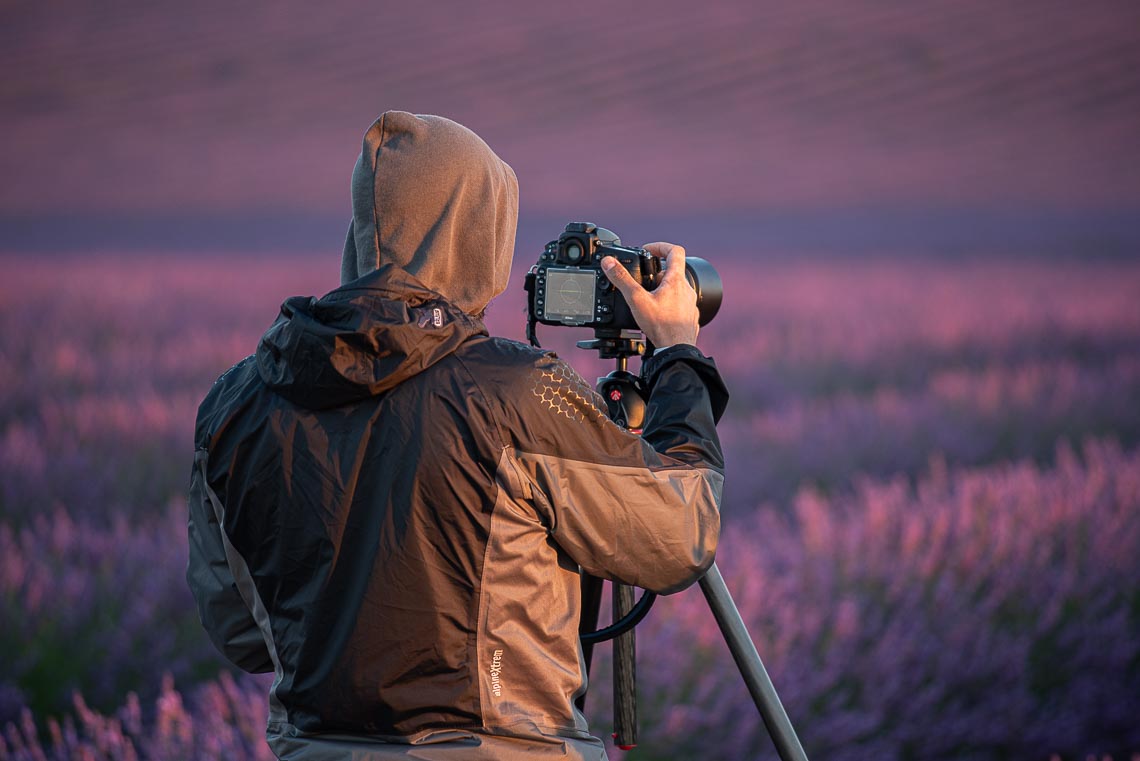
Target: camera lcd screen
x: 570, y: 295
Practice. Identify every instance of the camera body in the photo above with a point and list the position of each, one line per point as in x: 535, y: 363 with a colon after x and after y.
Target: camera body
x: 569, y: 287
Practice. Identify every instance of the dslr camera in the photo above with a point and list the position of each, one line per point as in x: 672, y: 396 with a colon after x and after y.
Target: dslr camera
x: 568, y: 287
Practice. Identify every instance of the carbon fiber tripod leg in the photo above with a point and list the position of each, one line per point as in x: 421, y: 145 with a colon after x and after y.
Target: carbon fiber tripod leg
x: 625, y: 684
x: 751, y: 668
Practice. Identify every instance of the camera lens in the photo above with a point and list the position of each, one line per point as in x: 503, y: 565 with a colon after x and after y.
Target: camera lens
x: 707, y: 283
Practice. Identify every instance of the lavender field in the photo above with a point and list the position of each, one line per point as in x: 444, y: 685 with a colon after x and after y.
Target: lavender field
x: 932, y: 524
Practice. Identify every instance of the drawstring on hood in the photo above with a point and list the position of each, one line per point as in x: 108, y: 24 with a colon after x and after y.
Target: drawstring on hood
x: 429, y: 196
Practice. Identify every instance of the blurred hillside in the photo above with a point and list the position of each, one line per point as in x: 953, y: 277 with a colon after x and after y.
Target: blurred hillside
x: 128, y: 112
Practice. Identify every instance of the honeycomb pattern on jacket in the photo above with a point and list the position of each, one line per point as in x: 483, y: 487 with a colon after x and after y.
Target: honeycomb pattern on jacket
x: 562, y: 390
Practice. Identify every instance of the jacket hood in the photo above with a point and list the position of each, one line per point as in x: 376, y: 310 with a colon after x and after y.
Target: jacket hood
x: 429, y: 196
x: 360, y: 340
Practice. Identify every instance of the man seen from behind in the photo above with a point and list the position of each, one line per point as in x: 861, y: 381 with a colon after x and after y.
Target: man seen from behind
x: 390, y: 510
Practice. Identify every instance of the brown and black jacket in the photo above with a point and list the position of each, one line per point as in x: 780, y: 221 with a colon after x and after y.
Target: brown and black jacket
x: 389, y: 509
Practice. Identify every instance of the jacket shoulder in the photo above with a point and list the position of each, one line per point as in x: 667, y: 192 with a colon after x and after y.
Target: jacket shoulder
x: 231, y: 392
x: 499, y: 362
x: 511, y: 366
x: 505, y: 351
x: 534, y: 392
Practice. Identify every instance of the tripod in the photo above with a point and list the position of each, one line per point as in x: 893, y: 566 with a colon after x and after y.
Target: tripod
x: 625, y: 395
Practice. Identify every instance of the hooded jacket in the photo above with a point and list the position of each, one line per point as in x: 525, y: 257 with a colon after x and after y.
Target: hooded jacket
x: 390, y: 510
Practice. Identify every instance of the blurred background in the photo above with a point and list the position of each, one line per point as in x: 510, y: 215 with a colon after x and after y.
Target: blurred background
x: 928, y: 219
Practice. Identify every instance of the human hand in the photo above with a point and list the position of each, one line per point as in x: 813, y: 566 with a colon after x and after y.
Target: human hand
x: 668, y: 314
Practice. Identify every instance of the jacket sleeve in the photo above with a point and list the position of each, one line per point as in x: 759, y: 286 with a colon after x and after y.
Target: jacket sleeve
x: 221, y: 608
x: 645, y: 509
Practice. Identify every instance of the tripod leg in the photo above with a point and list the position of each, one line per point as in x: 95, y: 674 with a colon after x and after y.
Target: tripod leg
x: 625, y: 684
x: 751, y: 668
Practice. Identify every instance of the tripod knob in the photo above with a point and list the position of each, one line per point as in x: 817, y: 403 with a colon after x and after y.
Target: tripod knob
x: 625, y: 399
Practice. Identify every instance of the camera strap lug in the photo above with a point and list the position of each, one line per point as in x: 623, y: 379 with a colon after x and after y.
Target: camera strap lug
x: 531, y: 320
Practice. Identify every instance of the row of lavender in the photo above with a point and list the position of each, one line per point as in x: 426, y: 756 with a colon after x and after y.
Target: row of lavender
x: 990, y: 613
x: 839, y: 374
x: 987, y: 613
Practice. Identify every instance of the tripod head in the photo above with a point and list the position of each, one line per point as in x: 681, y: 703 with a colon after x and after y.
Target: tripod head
x: 623, y: 392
